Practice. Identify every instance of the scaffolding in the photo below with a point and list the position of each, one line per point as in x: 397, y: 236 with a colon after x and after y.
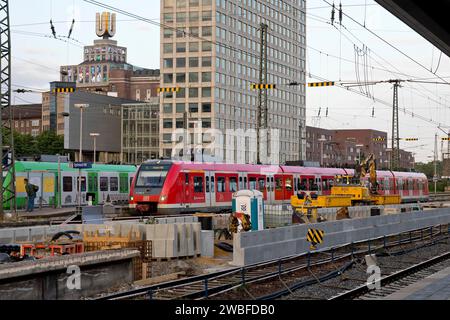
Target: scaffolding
x: 140, y: 132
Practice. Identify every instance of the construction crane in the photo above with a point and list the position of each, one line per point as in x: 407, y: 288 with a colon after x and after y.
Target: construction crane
x: 347, y: 191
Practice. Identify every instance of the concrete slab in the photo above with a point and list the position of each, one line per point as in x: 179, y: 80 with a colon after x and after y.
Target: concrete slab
x: 207, y: 243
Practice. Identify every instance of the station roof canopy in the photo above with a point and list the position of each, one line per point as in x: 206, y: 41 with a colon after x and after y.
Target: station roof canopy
x: 428, y: 18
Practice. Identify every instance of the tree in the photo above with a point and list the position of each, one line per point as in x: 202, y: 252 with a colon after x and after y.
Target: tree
x: 48, y: 142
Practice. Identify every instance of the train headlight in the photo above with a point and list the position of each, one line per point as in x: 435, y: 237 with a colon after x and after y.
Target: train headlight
x: 132, y: 198
x: 163, y: 198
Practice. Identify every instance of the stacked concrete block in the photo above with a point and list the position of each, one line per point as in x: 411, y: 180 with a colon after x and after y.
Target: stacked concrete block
x: 207, y: 243
x: 255, y: 247
x: 182, y: 243
x: 196, y: 237
x: 173, y: 240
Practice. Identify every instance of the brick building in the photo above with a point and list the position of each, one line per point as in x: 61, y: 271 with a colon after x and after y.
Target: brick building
x: 406, y: 159
x: 343, y: 148
x: 27, y: 118
x: 366, y: 141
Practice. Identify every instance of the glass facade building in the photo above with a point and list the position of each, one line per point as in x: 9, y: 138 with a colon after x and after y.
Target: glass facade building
x: 210, y: 50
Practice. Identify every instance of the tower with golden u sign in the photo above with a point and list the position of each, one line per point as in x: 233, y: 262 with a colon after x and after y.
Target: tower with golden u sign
x: 105, y: 25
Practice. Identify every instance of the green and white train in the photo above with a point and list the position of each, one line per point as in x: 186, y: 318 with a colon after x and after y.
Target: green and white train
x: 96, y: 183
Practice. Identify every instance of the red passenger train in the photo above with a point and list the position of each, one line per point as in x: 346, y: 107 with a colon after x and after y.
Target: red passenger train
x: 170, y: 187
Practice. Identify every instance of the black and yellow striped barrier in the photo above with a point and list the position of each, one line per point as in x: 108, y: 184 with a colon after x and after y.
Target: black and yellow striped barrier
x: 315, y: 236
x: 411, y: 139
x: 256, y: 86
x: 168, y: 90
x: 63, y: 90
x: 321, y: 84
x: 445, y: 139
x: 379, y: 139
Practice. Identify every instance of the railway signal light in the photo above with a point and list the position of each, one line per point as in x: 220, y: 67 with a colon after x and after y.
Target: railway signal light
x: 321, y: 84
x: 175, y: 89
x: 256, y: 86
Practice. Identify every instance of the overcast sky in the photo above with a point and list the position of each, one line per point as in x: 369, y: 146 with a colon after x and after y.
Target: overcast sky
x: 32, y: 42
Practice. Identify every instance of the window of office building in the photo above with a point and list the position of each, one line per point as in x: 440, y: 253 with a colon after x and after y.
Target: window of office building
x: 167, y: 124
x: 180, y: 107
x: 206, y: 76
x: 206, y: 107
x: 168, y: 48
x: 193, y: 92
x: 181, y: 62
x: 193, y: 62
x: 168, y: 78
x: 206, y: 46
x: 193, y: 76
x: 206, y: 92
x: 206, y: 61
x: 168, y: 63
x: 206, y: 15
x: 194, y: 16
x: 167, y: 108
x: 207, y: 31
x: 194, y: 47
x: 181, y: 47
x: 181, y: 77
x: 193, y: 107
x: 181, y: 17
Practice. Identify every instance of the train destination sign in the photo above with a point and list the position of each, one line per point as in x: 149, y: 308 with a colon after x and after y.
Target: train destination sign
x: 82, y: 165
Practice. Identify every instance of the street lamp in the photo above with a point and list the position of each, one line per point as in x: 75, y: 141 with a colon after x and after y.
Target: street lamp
x: 95, y: 135
x: 80, y: 157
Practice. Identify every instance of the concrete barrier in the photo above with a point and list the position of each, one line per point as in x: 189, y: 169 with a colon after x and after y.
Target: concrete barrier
x: 260, y: 246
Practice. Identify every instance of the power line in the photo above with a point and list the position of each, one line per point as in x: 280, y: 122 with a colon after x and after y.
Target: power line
x: 385, y: 41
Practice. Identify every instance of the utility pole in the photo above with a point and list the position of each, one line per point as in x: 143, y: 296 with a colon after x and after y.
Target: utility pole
x: 7, y: 189
x: 395, y: 156
x: 262, y: 113
x: 435, y: 178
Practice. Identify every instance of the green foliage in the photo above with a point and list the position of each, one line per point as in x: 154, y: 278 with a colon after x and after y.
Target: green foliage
x: 428, y: 168
x: 26, y: 145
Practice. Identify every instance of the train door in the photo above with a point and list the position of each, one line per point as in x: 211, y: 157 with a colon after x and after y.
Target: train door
x: 186, y: 190
x: 270, y: 186
x: 278, y: 188
x: 36, y: 179
x: 327, y: 183
x: 93, y: 187
x: 209, y: 190
x: 123, y: 183
x: 21, y: 194
x: 288, y: 186
x: 68, y: 188
x: 103, y: 182
x: 197, y: 186
x: 83, y: 187
x: 48, y: 189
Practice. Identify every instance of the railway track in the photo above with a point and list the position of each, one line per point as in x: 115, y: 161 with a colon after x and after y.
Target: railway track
x: 331, y: 263
x: 398, y: 280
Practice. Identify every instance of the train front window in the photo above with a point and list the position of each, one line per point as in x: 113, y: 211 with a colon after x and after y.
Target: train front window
x: 151, y: 179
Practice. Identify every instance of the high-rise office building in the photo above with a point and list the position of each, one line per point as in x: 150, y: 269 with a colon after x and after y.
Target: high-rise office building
x: 210, y: 50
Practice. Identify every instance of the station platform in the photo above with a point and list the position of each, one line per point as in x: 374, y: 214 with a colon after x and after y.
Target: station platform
x: 434, y: 287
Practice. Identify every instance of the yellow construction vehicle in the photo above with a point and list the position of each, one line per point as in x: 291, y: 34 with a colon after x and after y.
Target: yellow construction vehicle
x: 347, y: 191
